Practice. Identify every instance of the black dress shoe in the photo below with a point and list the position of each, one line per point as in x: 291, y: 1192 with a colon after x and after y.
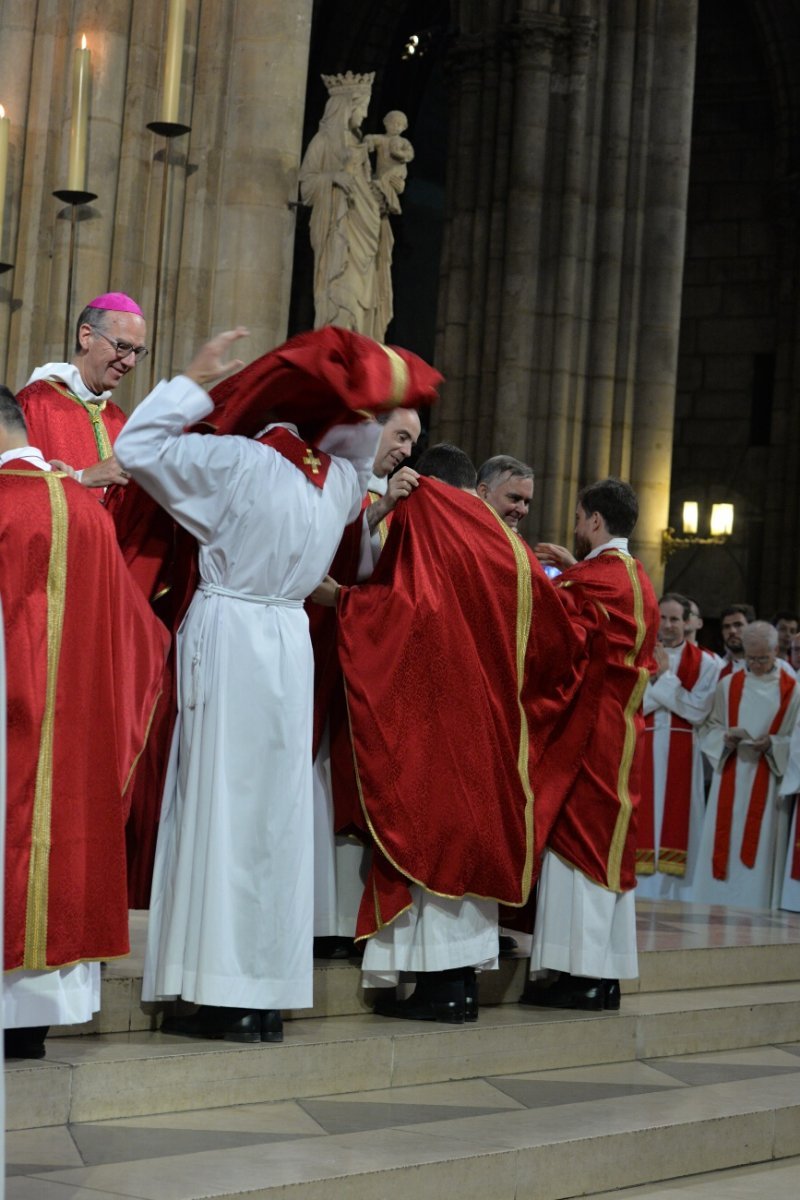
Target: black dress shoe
x: 470, y: 995
x: 200, y: 1024
x: 215, y: 1021
x: 27, y: 1042
x: 271, y: 1025
x: 333, y: 947
x: 438, y: 996
x: 568, y: 991
x: 508, y: 946
x: 611, y: 994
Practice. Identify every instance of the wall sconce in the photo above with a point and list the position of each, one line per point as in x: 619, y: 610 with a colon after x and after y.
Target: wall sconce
x: 720, y: 527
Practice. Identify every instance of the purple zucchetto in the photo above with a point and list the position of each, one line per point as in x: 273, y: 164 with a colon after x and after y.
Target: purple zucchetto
x: 116, y: 302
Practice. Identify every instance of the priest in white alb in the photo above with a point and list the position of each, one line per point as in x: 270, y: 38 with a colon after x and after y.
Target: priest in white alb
x: 746, y: 738
x: 231, y: 913
x: 677, y: 700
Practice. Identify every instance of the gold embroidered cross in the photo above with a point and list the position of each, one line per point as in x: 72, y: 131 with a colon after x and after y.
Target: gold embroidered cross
x: 310, y: 460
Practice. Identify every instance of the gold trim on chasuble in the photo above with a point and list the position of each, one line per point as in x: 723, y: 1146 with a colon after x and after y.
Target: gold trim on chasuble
x: 524, y: 616
x: 399, y: 376
x: 35, y: 958
x: 94, y: 411
x: 382, y: 527
x: 614, y: 867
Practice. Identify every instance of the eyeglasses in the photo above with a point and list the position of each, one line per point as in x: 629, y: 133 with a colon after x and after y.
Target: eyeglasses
x: 124, y: 349
x: 761, y: 659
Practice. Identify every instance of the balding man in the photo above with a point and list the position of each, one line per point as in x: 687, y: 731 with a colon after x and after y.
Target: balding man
x: 68, y: 407
x: 746, y: 738
x: 507, y: 485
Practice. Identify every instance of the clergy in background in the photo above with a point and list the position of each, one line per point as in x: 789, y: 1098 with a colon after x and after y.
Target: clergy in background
x: 677, y: 700
x: 746, y: 738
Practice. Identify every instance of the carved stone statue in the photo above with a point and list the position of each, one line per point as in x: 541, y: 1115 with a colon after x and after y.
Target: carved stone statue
x: 350, y: 232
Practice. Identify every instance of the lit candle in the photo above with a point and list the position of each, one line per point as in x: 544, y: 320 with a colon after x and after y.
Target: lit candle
x: 174, y: 60
x: 4, y: 125
x: 78, y: 137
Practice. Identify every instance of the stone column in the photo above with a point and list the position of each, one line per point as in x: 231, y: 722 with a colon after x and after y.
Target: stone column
x: 662, y: 274
x: 521, y: 323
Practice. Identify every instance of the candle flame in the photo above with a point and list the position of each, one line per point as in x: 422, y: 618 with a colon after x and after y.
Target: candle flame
x: 83, y: 42
x: 2, y: 112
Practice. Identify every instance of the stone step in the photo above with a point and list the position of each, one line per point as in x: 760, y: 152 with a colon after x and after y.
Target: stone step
x: 721, y: 953
x: 124, y: 1075
x: 545, y: 1134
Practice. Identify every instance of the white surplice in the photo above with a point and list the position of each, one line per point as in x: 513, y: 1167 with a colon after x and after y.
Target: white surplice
x: 756, y: 886
x: 663, y: 697
x: 341, y: 864
x: 231, y: 915
x: 790, y: 799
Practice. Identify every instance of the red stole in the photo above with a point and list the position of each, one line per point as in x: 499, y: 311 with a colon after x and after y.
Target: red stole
x: 795, y: 872
x: 758, y: 795
x: 313, y: 463
x: 677, y: 789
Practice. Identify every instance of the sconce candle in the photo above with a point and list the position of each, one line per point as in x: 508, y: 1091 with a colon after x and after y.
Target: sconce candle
x: 174, y: 59
x: 4, y: 127
x: 78, y: 138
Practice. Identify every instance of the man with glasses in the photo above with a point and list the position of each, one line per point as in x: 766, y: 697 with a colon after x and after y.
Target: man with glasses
x: 746, y: 738
x: 68, y: 407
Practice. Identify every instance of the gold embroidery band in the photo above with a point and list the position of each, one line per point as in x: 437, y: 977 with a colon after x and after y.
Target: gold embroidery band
x: 629, y: 745
x: 524, y: 617
x: 38, y: 871
x: 399, y: 376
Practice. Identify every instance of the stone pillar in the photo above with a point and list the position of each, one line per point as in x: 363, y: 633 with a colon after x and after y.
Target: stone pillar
x: 662, y: 274
x: 230, y: 230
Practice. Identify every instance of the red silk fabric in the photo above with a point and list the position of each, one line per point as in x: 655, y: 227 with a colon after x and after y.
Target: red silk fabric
x: 61, y: 427
x: 596, y: 829
x: 674, y: 839
x: 795, y: 869
x: 446, y: 735
x: 105, y: 670
x: 758, y: 794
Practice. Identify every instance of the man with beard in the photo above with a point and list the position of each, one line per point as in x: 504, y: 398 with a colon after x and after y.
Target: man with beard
x: 733, y: 621
x: 677, y: 700
x: 585, y: 919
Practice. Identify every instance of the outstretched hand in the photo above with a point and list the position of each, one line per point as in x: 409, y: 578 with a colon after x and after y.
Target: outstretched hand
x: 554, y: 556
x: 209, y: 365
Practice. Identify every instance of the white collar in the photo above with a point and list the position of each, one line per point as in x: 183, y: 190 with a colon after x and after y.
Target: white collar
x: 616, y: 543
x: 28, y: 454
x: 70, y: 376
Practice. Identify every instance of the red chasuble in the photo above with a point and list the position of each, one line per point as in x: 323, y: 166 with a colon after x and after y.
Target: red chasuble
x: 77, y: 432
x: 85, y: 657
x: 462, y: 674
x: 596, y: 829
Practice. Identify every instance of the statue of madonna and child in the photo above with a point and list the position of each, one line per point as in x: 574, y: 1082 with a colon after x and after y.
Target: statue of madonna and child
x: 351, y: 202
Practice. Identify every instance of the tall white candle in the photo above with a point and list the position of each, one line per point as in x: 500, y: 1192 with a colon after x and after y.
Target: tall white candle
x: 79, y: 131
x: 170, y: 103
x: 4, y: 127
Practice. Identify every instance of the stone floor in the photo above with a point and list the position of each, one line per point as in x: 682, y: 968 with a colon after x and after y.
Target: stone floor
x: 502, y: 1135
